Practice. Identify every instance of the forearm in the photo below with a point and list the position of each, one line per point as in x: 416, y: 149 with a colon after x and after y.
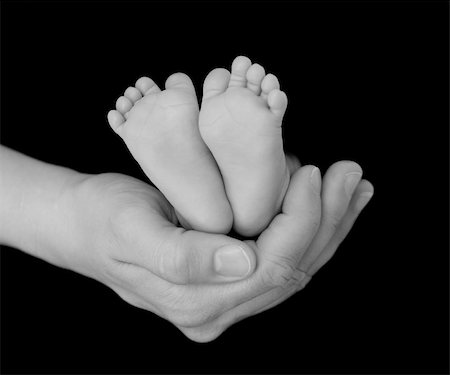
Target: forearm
x: 31, y: 203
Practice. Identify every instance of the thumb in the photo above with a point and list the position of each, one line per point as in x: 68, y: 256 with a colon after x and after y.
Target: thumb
x: 190, y: 257
x: 186, y: 256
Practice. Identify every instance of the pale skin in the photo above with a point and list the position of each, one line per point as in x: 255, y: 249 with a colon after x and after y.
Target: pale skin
x: 123, y: 233
x: 228, y: 159
x: 240, y: 122
x: 160, y: 128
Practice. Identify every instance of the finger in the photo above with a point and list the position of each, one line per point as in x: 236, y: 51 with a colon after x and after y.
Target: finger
x: 335, y: 198
x: 337, y: 189
x: 200, y: 316
x: 361, y: 197
x: 277, y: 248
x: 181, y: 256
x: 213, y: 328
x: 283, y: 243
x: 287, y: 237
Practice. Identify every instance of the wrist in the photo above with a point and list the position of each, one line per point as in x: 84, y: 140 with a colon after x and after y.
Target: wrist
x: 57, y: 239
x: 33, y: 197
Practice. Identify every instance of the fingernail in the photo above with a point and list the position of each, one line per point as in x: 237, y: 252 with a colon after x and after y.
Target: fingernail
x: 232, y: 261
x: 363, y: 199
x: 315, y: 179
x: 351, y: 180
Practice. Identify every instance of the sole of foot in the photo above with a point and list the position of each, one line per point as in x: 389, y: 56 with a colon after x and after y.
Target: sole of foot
x: 160, y: 129
x: 240, y: 121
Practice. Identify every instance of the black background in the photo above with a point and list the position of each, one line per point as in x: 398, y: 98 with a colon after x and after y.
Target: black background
x: 366, y: 82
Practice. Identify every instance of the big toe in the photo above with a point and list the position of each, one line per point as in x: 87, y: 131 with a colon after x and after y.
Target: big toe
x: 239, y: 68
x: 180, y: 81
x: 216, y: 82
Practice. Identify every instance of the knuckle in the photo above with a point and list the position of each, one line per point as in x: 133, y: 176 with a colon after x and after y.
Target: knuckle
x: 175, y: 267
x: 280, y: 271
x: 284, y: 272
x: 176, y: 262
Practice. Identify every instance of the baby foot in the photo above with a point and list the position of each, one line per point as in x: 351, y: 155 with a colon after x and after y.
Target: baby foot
x: 240, y: 121
x: 160, y: 128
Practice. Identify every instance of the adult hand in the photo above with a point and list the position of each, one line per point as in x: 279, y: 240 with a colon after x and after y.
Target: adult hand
x: 295, y: 246
x: 124, y: 234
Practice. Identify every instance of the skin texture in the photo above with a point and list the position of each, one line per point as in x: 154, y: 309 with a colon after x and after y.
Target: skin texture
x: 240, y: 121
x: 160, y: 128
x: 123, y: 233
x: 239, y: 128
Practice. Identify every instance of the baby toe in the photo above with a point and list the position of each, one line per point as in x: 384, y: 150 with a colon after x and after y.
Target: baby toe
x: 115, y: 120
x: 277, y: 101
x: 123, y: 104
x: 146, y: 86
x: 255, y: 75
x: 239, y: 69
x: 133, y: 94
x: 269, y: 83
